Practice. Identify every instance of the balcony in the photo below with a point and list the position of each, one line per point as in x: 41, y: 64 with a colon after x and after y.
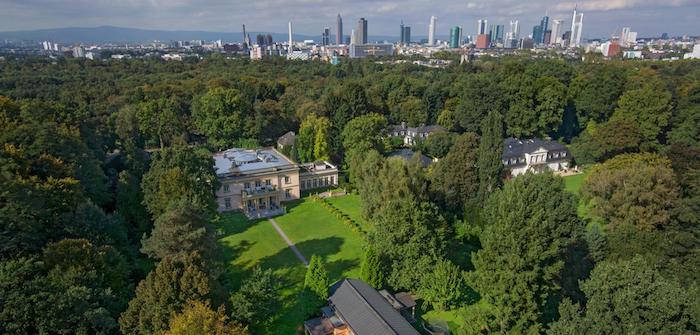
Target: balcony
x: 259, y: 191
x: 274, y: 210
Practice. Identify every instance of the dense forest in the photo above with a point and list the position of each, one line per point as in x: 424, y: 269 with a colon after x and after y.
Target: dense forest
x: 108, y: 217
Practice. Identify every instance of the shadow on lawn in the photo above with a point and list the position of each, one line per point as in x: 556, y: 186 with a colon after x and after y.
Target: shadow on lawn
x: 295, y: 305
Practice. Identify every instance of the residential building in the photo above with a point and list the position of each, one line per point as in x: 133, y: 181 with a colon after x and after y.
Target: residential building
x: 339, y: 30
x: 286, y: 141
x: 695, y: 54
x: 431, y: 30
x: 257, y: 182
x: 365, y: 50
x: 355, y: 308
x: 411, y: 135
x: 407, y: 154
x: 534, y: 155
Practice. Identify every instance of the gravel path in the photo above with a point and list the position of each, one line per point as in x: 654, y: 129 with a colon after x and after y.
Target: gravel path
x: 289, y: 242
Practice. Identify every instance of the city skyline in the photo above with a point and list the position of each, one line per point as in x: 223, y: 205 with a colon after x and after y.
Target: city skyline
x: 603, y: 18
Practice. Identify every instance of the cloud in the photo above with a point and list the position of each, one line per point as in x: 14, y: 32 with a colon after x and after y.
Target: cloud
x: 310, y: 16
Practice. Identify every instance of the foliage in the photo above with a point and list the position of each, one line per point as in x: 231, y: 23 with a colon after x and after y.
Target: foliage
x: 180, y: 173
x: 75, y: 287
x: 650, y: 108
x: 438, y: 144
x: 490, y: 152
x: 316, y: 280
x: 181, y: 230
x: 530, y: 224
x: 371, y: 269
x: 444, y: 287
x: 312, y: 142
x: 257, y: 298
x: 218, y: 115
x: 172, y: 285
x: 199, y: 318
x: 640, y: 189
x: 455, y: 178
x: 364, y: 133
x: 630, y: 297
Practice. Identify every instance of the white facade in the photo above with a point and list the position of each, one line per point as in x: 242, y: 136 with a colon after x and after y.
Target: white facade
x: 431, y: 30
x: 555, y: 37
x: 534, y: 155
x: 576, y: 29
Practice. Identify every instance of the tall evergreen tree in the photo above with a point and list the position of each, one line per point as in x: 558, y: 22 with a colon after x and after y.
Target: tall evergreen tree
x: 490, y: 152
x: 316, y: 278
x: 371, y: 269
x: 455, y: 178
x: 531, y: 223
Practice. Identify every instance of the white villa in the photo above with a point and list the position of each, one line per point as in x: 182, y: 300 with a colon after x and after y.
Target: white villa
x: 534, y: 155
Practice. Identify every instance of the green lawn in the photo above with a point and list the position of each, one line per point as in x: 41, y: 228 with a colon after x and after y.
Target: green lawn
x: 314, y: 231
x: 573, y: 183
x: 351, y: 206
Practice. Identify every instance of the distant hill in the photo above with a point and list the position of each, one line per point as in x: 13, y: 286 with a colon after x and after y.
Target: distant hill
x: 110, y: 34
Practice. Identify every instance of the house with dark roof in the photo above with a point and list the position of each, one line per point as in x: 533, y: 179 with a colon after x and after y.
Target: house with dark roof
x: 411, y: 135
x: 286, y: 141
x: 355, y: 308
x: 534, y: 155
x: 407, y: 154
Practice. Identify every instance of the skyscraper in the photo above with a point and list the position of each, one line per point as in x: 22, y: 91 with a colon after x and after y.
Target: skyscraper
x: 499, y: 33
x: 539, y: 31
x: 515, y: 29
x: 407, y: 35
x: 339, y: 30
x: 431, y: 30
x: 482, y: 26
x: 454, y: 37
x: 326, y: 36
x: 556, y: 32
x: 361, y: 31
x: 401, y: 40
x: 290, y: 36
x: 576, y: 29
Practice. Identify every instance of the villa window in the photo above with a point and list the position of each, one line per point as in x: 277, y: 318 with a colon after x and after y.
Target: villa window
x: 227, y: 203
x: 258, y: 183
x: 287, y: 193
x: 563, y: 154
x: 326, y: 181
x: 287, y: 180
x: 227, y: 188
x: 268, y: 182
x: 246, y: 186
x: 332, y: 180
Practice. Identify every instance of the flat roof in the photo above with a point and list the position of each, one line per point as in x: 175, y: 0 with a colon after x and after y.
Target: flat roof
x: 237, y: 160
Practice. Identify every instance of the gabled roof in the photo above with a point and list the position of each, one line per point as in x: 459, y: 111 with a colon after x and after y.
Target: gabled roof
x: 513, y: 148
x: 407, y: 154
x: 365, y: 311
x: 287, y: 139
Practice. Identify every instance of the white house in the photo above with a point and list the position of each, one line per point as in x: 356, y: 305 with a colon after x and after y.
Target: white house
x: 534, y: 155
x: 411, y: 135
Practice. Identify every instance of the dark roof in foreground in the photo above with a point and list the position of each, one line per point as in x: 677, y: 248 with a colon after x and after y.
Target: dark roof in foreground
x: 365, y: 311
x: 515, y: 148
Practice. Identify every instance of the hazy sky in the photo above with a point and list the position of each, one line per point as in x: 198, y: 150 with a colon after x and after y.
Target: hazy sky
x: 602, y: 17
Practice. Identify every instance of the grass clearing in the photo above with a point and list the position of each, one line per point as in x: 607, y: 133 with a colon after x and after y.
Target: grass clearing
x: 573, y: 183
x: 313, y: 230
x: 351, y: 205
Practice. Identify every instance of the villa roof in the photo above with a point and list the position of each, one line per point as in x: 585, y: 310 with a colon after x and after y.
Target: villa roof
x: 365, y: 311
x: 513, y: 148
x: 407, y: 154
x: 287, y: 139
x: 242, y: 161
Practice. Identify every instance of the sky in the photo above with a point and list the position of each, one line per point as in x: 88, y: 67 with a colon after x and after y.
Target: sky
x: 602, y: 18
